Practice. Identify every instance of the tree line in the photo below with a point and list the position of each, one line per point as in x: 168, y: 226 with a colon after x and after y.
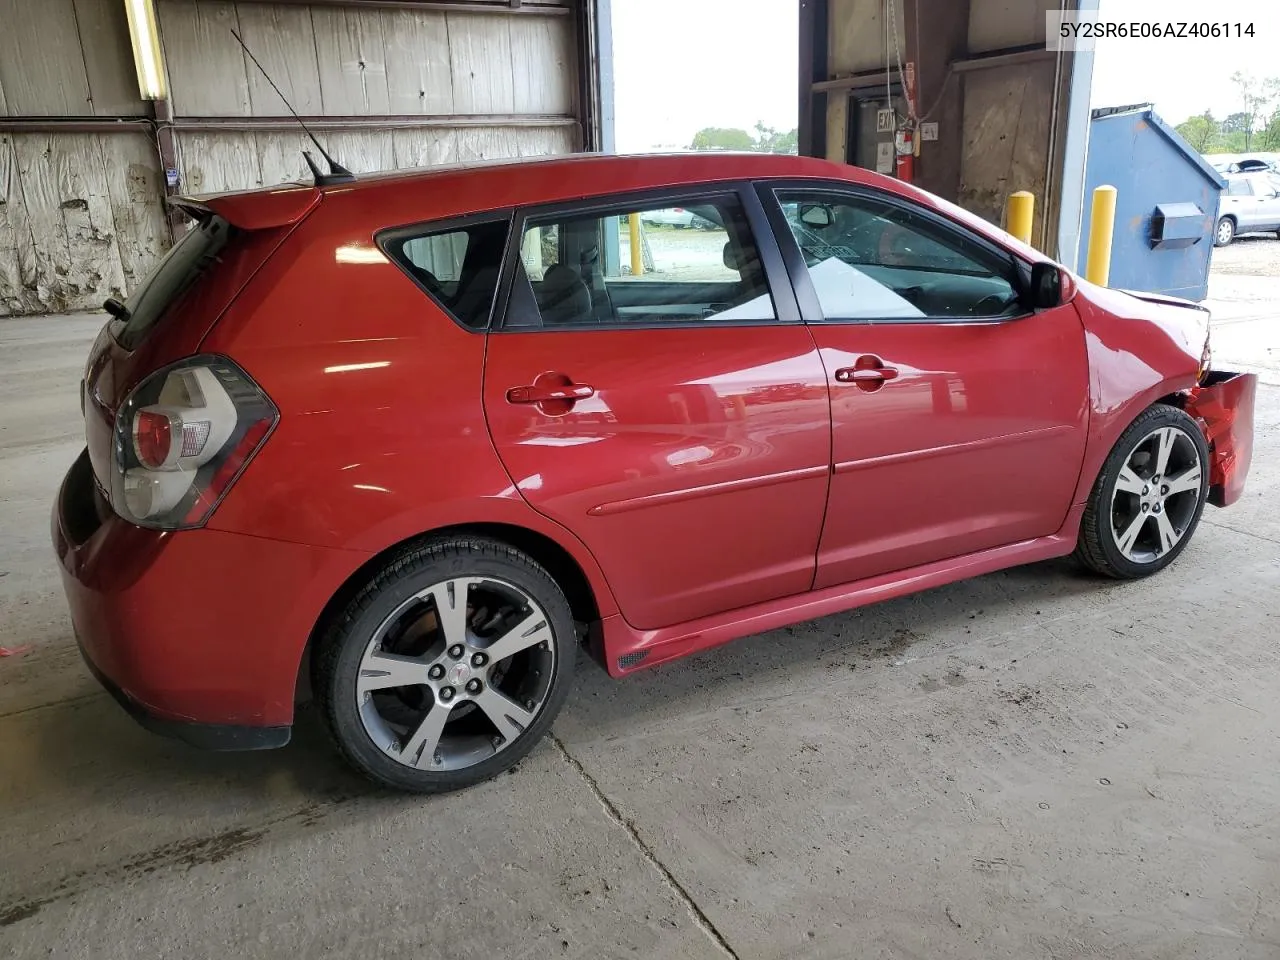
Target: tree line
x: 764, y: 140
x: 1256, y: 128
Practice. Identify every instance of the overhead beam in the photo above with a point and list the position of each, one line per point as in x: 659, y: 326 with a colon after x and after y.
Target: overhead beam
x: 1011, y: 58
x: 379, y: 122
x: 509, y: 7
x: 242, y: 124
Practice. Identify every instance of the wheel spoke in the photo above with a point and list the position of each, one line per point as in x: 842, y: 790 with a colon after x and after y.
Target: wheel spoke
x: 529, y: 632
x: 508, y: 716
x: 1164, y: 446
x: 1128, y: 481
x: 382, y: 670
x: 451, y: 608
x: 420, y: 749
x: 1189, y: 479
x: 1127, y: 539
x: 1168, y: 536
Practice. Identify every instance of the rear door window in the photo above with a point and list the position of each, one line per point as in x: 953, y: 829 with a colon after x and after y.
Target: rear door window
x: 458, y: 266
x: 676, y: 261
x: 181, y: 267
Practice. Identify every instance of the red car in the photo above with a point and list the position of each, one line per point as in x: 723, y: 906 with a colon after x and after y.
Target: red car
x: 417, y: 436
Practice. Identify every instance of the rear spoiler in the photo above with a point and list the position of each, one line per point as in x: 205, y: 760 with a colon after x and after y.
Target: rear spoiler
x: 253, y: 209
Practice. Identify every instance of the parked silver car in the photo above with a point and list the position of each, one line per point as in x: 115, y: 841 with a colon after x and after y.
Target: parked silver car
x: 1250, y: 204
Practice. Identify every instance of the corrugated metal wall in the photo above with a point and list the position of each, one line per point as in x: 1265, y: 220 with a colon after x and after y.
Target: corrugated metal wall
x: 81, y: 200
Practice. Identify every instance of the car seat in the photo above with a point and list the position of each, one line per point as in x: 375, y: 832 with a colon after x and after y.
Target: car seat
x: 563, y: 296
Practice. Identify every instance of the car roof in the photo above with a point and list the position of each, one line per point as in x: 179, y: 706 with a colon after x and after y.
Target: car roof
x: 456, y: 189
x: 670, y: 167
x: 401, y: 197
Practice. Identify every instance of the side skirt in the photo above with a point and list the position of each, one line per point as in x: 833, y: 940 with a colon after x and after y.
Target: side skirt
x: 623, y: 649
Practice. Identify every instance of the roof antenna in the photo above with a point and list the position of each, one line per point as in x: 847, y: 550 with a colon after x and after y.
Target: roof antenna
x: 337, y: 172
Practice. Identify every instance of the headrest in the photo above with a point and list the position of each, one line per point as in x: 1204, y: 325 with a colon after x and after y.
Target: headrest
x: 730, y: 256
x: 564, y: 297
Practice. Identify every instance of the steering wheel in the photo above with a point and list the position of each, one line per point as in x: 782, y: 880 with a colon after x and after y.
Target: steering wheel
x: 992, y: 305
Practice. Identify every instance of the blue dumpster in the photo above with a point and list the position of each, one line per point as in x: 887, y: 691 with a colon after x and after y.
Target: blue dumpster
x: 1166, y: 203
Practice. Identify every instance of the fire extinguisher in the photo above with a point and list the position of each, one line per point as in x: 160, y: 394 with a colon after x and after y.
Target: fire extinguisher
x: 903, y: 148
x: 904, y: 140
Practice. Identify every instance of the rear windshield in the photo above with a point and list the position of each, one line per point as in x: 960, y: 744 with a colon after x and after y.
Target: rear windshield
x: 457, y: 266
x: 180, y: 268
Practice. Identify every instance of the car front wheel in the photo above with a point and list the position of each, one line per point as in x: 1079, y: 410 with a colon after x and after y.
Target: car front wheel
x: 448, y: 666
x: 1224, y: 232
x: 1148, y: 499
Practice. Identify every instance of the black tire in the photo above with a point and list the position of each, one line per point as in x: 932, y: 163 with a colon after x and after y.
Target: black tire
x: 341, y: 649
x: 1224, y: 231
x: 1098, y: 547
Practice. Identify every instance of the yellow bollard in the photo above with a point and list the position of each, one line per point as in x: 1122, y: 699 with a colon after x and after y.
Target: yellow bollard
x: 1020, y: 212
x: 1101, y: 228
x: 637, y: 254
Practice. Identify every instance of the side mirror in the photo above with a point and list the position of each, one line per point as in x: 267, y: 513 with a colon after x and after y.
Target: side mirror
x: 815, y: 215
x: 115, y: 308
x: 1046, y: 285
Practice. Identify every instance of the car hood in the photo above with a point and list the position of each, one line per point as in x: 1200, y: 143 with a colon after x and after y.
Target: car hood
x: 1161, y: 298
x: 1183, y: 322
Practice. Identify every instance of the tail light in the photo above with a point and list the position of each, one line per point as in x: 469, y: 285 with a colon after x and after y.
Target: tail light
x: 182, y: 438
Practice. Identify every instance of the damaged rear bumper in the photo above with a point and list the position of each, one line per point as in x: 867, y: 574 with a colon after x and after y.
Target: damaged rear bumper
x: 1223, y: 406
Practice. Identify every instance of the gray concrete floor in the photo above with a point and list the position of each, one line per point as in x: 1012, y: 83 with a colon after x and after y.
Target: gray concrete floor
x: 1033, y: 764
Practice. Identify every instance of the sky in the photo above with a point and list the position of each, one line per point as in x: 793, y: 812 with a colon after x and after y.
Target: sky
x: 681, y: 65
x: 1183, y: 77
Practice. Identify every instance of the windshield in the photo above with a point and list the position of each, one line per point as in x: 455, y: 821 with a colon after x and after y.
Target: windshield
x: 180, y: 267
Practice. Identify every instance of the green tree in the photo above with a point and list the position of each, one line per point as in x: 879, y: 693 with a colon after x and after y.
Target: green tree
x: 769, y: 140
x: 722, y: 138
x: 1257, y: 97
x: 1235, y: 123
x: 1269, y: 136
x: 766, y: 139
x: 1200, y: 131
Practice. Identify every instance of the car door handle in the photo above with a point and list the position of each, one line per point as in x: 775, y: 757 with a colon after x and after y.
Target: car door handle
x: 865, y: 374
x: 537, y: 393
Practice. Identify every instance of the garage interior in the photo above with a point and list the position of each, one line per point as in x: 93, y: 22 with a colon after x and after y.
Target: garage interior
x: 387, y: 84
x: 1034, y: 763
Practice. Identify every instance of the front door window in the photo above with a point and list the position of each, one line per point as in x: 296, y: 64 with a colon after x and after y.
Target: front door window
x: 872, y: 259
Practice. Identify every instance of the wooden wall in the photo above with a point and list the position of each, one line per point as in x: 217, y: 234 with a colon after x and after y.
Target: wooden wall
x: 856, y: 35
x: 346, y: 62
x: 82, y: 214
x: 81, y: 218
x: 214, y: 162
x: 1007, y: 113
x: 66, y: 58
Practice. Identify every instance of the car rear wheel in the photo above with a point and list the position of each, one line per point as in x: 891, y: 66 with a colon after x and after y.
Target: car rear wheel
x: 1224, y: 232
x: 1148, y: 499
x: 448, y: 666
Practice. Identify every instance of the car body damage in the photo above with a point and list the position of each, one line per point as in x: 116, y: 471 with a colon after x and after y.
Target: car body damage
x: 1223, y: 405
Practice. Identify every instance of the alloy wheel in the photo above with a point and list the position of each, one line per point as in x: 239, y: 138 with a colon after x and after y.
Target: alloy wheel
x: 1156, y: 495
x: 456, y: 673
